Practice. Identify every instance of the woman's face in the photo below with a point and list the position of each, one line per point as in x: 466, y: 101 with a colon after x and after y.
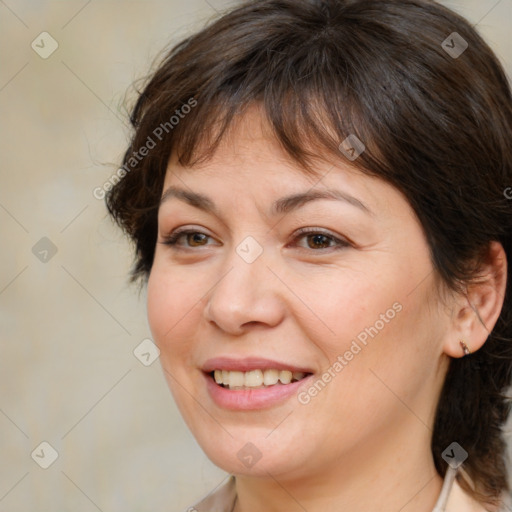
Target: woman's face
x: 351, y: 304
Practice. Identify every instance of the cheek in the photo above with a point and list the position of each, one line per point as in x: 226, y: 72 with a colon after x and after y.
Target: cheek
x: 172, y: 303
x: 390, y: 358
x: 349, y: 305
x: 373, y: 321
x: 159, y: 305
x: 172, y: 317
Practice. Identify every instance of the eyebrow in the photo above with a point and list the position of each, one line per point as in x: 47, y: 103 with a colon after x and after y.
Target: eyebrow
x: 280, y: 206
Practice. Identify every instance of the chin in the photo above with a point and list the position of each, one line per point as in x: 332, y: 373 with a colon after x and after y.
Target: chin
x: 253, y: 455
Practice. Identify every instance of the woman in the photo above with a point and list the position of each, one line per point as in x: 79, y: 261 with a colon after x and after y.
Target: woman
x: 316, y: 192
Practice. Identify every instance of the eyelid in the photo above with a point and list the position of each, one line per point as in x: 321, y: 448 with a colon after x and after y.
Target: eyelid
x: 340, y: 242
x: 171, y: 238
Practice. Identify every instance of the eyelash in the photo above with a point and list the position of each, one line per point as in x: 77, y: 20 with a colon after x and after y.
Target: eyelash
x: 172, y: 239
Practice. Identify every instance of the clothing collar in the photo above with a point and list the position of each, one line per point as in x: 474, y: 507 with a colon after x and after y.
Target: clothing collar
x: 451, y: 498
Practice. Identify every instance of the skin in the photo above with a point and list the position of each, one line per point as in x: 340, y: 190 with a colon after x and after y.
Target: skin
x: 363, y: 443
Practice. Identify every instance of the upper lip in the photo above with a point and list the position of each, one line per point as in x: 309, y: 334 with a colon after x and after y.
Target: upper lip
x: 249, y: 363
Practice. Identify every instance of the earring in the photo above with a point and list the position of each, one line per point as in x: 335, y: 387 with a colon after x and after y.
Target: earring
x: 465, y: 348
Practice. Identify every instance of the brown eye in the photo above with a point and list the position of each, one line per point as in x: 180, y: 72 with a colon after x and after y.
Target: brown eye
x: 193, y: 239
x: 318, y: 241
x: 196, y: 239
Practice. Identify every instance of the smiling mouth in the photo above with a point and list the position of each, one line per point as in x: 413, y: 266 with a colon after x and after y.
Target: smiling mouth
x: 255, y: 379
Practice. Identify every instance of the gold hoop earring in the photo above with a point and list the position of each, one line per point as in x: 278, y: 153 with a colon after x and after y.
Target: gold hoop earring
x: 465, y: 348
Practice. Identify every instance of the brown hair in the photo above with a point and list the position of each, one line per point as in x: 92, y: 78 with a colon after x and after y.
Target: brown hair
x: 436, y: 125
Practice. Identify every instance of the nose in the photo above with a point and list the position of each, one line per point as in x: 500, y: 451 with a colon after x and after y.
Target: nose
x: 247, y: 294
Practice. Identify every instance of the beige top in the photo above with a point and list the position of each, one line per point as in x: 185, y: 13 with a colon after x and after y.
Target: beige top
x: 451, y: 499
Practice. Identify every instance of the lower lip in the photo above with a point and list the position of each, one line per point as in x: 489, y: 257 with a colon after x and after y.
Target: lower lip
x: 250, y: 399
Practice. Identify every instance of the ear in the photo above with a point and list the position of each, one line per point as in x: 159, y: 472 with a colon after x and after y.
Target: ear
x: 476, y: 312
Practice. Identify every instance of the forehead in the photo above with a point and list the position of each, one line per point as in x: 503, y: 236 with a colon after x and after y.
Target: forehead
x: 250, y: 146
x: 250, y: 162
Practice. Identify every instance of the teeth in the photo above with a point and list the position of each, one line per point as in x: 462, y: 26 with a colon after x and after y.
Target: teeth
x: 255, y: 378
x: 270, y: 377
x: 236, y: 379
x: 285, y: 376
x: 252, y: 379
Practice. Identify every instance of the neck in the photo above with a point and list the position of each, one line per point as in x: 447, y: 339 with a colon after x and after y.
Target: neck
x: 391, y: 473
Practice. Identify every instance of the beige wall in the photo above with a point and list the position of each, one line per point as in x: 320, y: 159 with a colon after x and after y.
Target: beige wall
x: 69, y: 325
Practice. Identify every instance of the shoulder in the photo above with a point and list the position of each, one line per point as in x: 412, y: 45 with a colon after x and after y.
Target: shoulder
x: 221, y: 499
x: 459, y: 501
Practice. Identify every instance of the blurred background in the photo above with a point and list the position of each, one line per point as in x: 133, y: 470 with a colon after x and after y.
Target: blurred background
x: 86, y: 422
